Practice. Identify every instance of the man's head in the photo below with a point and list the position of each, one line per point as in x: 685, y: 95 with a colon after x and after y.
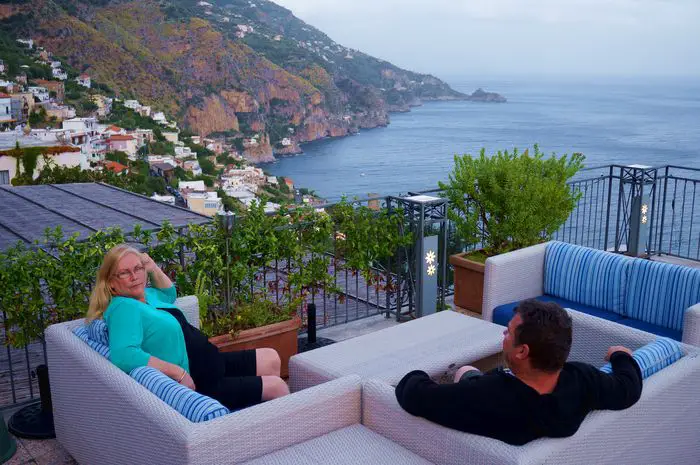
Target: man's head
x: 538, y: 337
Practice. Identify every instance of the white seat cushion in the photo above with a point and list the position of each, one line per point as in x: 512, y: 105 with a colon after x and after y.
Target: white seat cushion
x: 351, y: 445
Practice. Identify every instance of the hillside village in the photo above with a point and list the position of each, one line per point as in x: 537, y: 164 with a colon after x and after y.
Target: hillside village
x: 70, y: 121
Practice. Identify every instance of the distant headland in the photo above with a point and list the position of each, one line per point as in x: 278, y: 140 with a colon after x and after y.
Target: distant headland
x: 480, y: 95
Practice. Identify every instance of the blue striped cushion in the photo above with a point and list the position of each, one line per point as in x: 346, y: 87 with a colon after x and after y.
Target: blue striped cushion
x: 654, y: 356
x: 83, y: 333
x: 97, y: 331
x: 660, y: 293
x: 586, y: 276
x: 194, y: 406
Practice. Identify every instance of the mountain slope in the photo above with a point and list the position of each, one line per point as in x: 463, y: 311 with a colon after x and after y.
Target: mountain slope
x: 234, y: 67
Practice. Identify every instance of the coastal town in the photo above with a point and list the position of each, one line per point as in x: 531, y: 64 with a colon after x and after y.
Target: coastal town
x: 70, y: 121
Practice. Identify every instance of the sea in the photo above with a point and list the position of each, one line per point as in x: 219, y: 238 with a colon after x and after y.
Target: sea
x: 651, y: 121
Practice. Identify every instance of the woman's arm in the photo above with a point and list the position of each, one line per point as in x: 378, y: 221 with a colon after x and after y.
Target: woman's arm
x: 172, y: 371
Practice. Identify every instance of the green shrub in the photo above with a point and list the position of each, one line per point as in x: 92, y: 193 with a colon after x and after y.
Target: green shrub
x: 510, y: 200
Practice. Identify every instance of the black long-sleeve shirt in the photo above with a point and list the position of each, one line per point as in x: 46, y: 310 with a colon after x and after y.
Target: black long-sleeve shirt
x: 500, y: 406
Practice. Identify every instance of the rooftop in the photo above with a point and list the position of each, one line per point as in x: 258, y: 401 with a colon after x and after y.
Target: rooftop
x: 9, y: 140
x: 26, y: 211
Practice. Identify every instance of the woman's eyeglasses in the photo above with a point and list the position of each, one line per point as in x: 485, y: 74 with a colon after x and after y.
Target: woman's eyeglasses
x: 124, y: 274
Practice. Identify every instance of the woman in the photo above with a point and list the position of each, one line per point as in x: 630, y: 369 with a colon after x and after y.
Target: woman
x: 146, y: 328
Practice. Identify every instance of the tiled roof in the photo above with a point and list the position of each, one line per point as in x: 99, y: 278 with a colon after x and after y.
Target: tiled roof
x: 120, y: 137
x: 115, y: 166
x: 26, y: 211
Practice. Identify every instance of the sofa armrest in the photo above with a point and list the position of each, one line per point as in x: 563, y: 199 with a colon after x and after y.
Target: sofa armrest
x: 382, y: 414
x: 277, y: 424
x: 691, y: 325
x: 666, y: 414
x: 101, y: 414
x: 189, y: 305
x: 513, y: 276
x: 592, y: 336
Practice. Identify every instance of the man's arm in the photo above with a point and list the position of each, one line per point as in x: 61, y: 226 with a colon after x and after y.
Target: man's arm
x: 444, y: 404
x: 621, y: 389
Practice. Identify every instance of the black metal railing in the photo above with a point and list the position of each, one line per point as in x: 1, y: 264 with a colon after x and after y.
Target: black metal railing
x: 600, y: 220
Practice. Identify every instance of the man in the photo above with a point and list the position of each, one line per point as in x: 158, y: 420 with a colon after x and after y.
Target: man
x: 538, y: 395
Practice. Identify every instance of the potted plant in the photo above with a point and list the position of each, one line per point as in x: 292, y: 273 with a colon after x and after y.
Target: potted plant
x: 502, y: 203
x: 241, y: 305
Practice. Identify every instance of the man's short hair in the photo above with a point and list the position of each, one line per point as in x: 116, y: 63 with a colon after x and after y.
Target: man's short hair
x: 546, y: 329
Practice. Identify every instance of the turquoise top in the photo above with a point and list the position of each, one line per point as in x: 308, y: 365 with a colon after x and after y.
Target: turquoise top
x: 138, y: 330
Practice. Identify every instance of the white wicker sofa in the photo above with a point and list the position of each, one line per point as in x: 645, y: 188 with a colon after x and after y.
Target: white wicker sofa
x: 103, y: 416
x: 662, y: 428
x: 656, y: 297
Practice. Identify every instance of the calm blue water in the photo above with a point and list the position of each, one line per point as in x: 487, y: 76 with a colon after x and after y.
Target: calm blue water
x: 624, y: 121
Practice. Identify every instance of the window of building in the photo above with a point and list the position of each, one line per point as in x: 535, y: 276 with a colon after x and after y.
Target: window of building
x: 211, y: 205
x: 4, y: 177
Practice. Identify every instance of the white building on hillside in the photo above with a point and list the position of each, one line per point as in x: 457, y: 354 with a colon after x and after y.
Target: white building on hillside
x: 5, y: 109
x: 65, y: 154
x: 169, y: 199
x: 195, y: 186
x: 28, y: 42
x: 59, y: 74
x: 42, y: 93
x: 89, y: 126
x: 132, y: 104
x: 84, y: 80
x: 159, y: 117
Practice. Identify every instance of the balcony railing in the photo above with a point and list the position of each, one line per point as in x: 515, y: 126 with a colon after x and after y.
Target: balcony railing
x: 602, y: 219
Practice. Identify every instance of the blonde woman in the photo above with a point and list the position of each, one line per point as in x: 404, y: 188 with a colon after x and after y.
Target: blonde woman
x: 146, y: 328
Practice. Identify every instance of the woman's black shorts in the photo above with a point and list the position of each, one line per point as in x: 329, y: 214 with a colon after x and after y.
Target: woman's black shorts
x: 239, y: 386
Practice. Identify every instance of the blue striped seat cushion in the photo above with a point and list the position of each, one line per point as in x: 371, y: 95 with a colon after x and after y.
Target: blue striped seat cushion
x: 97, y: 331
x: 83, y: 333
x: 659, y: 293
x: 654, y: 356
x: 587, y: 276
x: 503, y: 313
x: 193, y: 405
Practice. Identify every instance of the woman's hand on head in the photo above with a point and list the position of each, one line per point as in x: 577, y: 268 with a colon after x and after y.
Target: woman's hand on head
x: 148, y: 263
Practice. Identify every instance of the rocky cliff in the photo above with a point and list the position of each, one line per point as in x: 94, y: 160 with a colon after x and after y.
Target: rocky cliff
x: 230, y: 67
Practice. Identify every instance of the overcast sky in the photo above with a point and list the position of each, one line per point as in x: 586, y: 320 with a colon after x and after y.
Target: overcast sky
x: 499, y: 37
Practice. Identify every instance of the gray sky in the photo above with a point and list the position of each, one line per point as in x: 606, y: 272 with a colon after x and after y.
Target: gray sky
x: 498, y: 37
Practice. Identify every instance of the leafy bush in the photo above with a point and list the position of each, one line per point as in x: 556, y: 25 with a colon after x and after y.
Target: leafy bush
x: 510, y: 200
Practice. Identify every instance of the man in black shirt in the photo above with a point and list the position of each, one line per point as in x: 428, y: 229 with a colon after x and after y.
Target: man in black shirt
x: 538, y: 395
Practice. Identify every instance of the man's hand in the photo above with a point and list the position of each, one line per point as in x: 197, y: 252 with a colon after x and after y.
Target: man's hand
x: 614, y: 349
x: 148, y: 263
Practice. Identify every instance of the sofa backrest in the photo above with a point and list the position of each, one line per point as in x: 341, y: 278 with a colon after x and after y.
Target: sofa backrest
x: 659, y: 293
x: 586, y: 276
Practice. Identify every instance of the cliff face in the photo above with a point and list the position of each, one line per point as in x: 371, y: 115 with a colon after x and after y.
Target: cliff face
x: 229, y: 67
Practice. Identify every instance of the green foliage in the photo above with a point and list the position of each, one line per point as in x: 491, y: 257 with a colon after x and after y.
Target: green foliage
x: 128, y: 119
x: 47, y: 285
x: 38, y: 117
x: 207, y: 166
x: 52, y: 281
x: 161, y: 148
x: 16, y: 55
x: 366, y: 237
x: 139, y: 182
x: 510, y: 200
x: 118, y: 156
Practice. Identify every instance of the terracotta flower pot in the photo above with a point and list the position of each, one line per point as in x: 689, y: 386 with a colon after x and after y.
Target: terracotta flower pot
x: 469, y: 282
x: 279, y: 336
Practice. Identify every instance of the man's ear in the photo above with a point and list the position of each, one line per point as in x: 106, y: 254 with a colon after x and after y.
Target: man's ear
x: 522, y: 352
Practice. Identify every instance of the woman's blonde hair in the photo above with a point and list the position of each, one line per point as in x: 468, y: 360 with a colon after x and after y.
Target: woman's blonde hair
x: 102, y: 292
